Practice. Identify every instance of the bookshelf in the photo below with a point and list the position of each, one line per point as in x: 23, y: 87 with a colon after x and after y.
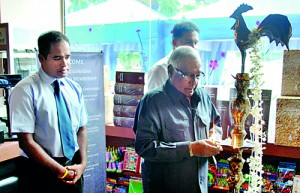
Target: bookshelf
x: 271, y: 149
x: 122, y: 132
x: 118, y: 136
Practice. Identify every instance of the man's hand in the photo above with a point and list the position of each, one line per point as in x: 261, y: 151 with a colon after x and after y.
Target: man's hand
x: 75, y: 172
x: 205, y: 148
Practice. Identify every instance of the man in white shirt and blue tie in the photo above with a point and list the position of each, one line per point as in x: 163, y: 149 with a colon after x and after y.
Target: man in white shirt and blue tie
x: 46, y: 164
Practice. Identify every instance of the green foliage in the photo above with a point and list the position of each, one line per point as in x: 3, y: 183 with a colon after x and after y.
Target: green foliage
x: 130, y: 61
x: 76, y: 5
x: 168, y: 7
x: 188, y: 8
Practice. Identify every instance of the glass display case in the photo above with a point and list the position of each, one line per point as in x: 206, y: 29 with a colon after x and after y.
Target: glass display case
x: 25, y: 62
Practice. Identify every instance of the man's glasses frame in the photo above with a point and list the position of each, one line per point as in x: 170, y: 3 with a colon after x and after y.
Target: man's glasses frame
x: 189, y: 75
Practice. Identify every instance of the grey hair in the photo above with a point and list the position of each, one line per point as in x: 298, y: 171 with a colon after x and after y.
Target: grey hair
x: 182, y: 52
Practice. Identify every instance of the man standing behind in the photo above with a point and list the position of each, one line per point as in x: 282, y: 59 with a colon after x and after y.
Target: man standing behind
x: 173, y: 125
x: 184, y: 33
x: 53, y: 146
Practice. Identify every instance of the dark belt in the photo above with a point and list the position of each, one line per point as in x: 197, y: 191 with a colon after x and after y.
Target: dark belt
x: 66, y: 162
x: 63, y: 160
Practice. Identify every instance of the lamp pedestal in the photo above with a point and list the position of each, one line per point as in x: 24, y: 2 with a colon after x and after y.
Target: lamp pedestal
x: 240, y: 108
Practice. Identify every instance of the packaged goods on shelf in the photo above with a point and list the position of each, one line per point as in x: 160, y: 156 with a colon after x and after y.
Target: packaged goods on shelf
x: 288, y: 121
x: 291, y: 73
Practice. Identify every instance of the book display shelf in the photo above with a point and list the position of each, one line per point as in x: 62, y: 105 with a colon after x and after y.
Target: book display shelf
x: 270, y: 149
x: 122, y: 136
x: 128, y: 92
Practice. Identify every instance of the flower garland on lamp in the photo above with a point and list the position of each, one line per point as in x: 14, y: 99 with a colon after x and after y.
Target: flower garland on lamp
x: 258, y: 137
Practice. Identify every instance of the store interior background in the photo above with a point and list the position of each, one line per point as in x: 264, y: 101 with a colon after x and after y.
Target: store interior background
x: 26, y: 20
x: 134, y: 34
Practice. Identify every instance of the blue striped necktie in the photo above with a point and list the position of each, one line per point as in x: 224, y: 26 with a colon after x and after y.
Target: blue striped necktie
x: 64, y: 123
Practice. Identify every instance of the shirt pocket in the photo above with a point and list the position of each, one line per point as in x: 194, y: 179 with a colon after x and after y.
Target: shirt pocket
x: 75, y: 114
x: 202, y: 125
x: 176, y: 130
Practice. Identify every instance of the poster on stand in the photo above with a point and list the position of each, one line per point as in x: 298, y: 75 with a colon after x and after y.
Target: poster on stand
x: 87, y: 70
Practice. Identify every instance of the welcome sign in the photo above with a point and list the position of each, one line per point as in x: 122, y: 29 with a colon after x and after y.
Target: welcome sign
x: 87, y: 70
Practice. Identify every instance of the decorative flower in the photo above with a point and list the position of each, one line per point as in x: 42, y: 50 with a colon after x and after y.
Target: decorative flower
x: 256, y: 111
x: 256, y: 130
x: 223, y: 54
x: 213, y: 64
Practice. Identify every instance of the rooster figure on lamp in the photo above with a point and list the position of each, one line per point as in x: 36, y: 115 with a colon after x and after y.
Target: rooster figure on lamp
x: 277, y: 28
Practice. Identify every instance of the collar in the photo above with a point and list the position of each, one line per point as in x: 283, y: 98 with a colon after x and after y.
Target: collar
x: 173, y: 93
x: 48, y: 80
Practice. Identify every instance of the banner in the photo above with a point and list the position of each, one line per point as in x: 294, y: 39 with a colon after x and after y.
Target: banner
x: 87, y: 70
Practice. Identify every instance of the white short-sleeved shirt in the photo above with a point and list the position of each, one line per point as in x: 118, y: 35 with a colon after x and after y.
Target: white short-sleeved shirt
x: 33, y: 110
x: 158, y: 74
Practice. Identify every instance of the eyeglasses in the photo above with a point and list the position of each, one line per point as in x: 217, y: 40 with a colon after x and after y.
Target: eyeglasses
x: 189, y: 75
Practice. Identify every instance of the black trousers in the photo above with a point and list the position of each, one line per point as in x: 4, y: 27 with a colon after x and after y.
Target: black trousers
x: 34, y: 178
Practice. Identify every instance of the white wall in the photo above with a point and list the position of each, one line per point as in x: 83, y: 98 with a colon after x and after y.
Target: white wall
x: 29, y: 18
x: 32, y: 14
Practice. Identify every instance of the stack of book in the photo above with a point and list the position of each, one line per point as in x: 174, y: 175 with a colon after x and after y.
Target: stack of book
x: 129, y: 89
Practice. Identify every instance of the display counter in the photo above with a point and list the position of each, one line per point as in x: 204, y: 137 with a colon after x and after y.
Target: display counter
x: 9, y: 150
